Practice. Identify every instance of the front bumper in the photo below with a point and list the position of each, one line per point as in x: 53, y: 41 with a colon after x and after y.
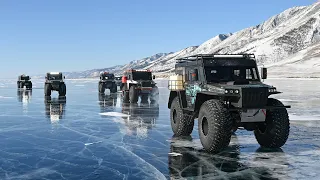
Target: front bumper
x: 145, y: 90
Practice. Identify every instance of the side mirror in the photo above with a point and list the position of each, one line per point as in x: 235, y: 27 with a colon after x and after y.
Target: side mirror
x: 64, y: 77
x: 264, y: 73
x: 153, y: 77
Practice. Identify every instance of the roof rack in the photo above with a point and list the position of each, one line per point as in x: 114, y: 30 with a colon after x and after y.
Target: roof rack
x: 138, y: 70
x: 197, y: 56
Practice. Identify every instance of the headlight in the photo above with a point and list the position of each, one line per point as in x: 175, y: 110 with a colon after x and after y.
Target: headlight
x: 272, y: 90
x: 231, y: 91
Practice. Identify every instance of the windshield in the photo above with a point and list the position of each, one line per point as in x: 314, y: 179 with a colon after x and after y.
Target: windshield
x: 141, y: 75
x: 107, y: 76
x: 25, y: 78
x: 54, y: 76
x: 229, y: 73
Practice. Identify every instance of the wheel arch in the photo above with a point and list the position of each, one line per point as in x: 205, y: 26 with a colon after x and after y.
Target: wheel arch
x: 174, y: 94
x: 201, y: 98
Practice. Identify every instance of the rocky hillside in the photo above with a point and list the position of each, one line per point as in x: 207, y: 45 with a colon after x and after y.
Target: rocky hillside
x: 287, y: 43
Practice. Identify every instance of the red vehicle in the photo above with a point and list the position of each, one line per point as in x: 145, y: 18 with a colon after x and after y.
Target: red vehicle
x: 137, y: 83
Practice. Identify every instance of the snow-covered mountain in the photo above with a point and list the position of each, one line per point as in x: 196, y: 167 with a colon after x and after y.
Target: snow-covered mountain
x: 136, y: 64
x: 287, y: 43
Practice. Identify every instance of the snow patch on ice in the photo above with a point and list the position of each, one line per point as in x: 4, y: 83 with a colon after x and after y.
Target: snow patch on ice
x: 4, y: 97
x: 114, y: 114
x: 175, y: 154
x: 293, y: 117
x: 88, y: 144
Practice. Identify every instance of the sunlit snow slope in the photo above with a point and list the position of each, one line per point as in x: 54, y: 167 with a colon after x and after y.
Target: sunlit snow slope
x: 288, y: 43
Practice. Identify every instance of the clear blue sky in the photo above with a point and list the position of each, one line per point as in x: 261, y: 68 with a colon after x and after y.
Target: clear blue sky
x: 37, y: 36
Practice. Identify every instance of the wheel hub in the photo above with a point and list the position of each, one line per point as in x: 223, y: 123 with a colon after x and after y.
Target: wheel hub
x: 204, y: 126
x: 174, y: 115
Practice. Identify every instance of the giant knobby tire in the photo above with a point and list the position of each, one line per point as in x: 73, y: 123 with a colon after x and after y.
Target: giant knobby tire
x: 181, y: 124
x: 215, y: 126
x: 101, y: 88
x: 47, y: 89
x: 29, y: 86
x: 113, y: 88
x: 62, y: 90
x: 125, y: 95
x: 275, y: 131
x: 133, y: 94
x: 154, y: 96
x: 21, y: 85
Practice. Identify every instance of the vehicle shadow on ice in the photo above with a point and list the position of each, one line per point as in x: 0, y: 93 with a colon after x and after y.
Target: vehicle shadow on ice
x: 188, y: 161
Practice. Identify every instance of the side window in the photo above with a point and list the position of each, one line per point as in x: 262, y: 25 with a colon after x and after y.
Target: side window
x: 236, y: 72
x: 254, y: 72
x: 248, y: 74
x: 193, y: 75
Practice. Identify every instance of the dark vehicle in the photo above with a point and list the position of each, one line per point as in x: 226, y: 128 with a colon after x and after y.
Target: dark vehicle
x: 55, y: 82
x: 118, y: 81
x: 139, y: 83
x: 24, y: 81
x: 55, y: 108
x: 107, y: 81
x: 225, y: 92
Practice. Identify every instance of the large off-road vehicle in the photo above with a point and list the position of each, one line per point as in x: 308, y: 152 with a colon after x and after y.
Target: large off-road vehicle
x: 118, y: 80
x: 139, y: 83
x: 225, y: 92
x: 24, y: 81
x: 55, y: 82
x: 107, y: 81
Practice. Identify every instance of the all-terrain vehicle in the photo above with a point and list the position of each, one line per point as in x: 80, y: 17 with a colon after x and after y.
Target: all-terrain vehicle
x: 139, y: 83
x: 107, y: 81
x: 24, y: 81
x: 55, y: 82
x: 118, y: 80
x: 225, y: 92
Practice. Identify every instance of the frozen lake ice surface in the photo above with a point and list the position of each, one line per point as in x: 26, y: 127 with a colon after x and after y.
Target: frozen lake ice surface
x: 89, y: 136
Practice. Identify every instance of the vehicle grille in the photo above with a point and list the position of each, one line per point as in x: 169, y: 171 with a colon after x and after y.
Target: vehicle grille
x: 145, y: 84
x: 254, y: 97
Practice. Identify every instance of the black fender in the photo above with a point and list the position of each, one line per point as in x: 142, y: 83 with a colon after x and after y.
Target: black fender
x: 174, y: 94
x: 203, y: 97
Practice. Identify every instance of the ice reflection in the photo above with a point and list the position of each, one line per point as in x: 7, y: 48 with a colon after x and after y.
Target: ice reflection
x: 55, y: 108
x: 185, y: 161
x: 108, y: 103
x: 142, y: 118
x: 24, y: 96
